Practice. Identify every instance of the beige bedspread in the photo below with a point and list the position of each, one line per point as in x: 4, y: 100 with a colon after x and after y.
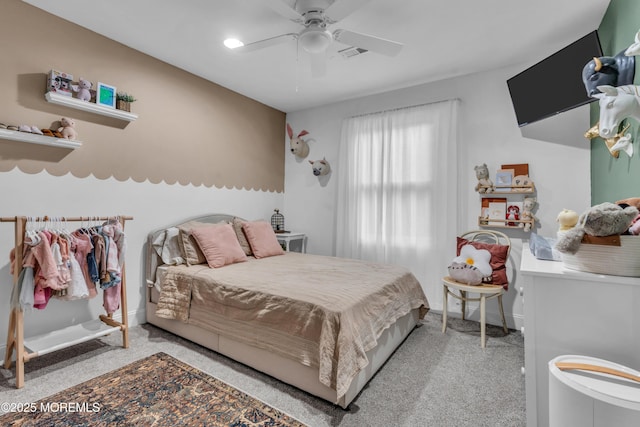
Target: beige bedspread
x: 325, y: 312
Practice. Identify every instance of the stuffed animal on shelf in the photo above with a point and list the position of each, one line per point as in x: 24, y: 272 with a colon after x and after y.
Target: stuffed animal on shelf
x: 484, y: 185
x: 320, y: 167
x: 67, y: 128
x: 605, y: 219
x: 83, y: 89
x: 299, y: 146
x: 513, y: 213
x: 527, y: 213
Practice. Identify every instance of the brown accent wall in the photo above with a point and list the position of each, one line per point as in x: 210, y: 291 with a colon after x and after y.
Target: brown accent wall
x: 189, y: 130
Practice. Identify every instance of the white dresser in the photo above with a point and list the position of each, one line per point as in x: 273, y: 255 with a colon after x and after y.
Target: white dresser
x: 569, y: 312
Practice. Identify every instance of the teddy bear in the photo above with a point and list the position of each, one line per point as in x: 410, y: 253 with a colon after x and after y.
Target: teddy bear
x: 83, y: 89
x: 527, y: 213
x: 67, y: 128
x: 320, y: 167
x: 605, y: 219
x: 484, y: 185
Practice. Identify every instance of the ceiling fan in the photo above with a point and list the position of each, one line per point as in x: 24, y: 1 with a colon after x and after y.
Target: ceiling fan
x: 315, y: 38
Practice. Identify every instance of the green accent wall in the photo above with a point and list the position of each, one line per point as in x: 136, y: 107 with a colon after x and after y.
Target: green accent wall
x: 614, y: 179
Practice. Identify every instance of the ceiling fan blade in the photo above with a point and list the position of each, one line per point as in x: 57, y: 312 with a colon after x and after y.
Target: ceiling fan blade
x: 318, y: 64
x: 342, y: 8
x: 282, y: 8
x: 365, y: 41
x: 261, y: 44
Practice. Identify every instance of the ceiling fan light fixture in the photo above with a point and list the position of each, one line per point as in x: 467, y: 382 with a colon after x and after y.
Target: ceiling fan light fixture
x: 315, y: 40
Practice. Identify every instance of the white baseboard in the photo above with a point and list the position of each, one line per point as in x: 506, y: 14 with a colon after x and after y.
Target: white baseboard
x: 514, y: 321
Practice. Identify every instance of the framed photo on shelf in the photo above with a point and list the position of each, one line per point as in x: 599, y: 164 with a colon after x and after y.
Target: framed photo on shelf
x: 106, y: 95
x: 504, y: 180
x: 59, y: 82
x: 494, y: 210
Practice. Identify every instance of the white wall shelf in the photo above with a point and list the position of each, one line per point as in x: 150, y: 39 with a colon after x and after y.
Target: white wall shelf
x: 34, y: 138
x: 91, y: 107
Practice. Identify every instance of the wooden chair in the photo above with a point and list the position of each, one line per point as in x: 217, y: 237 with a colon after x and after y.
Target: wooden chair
x: 485, y: 291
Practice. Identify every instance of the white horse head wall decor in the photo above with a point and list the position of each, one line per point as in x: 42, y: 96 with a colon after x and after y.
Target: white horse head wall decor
x: 616, y: 104
x: 320, y: 167
x: 299, y: 146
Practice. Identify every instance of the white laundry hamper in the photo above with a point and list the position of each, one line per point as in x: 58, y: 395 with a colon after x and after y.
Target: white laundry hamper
x: 582, y: 396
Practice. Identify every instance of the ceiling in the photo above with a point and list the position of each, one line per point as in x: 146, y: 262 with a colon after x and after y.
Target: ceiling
x: 442, y: 39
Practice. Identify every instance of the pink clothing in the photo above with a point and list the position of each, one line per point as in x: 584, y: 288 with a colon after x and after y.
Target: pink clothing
x: 83, y: 246
x: 112, y: 250
x: 60, y: 250
x: 47, y: 275
x: 111, y: 299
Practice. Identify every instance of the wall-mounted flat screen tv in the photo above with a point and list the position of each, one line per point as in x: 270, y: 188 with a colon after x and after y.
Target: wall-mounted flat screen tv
x: 554, y: 84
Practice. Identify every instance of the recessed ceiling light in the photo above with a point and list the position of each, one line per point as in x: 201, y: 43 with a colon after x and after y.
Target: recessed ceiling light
x: 233, y: 43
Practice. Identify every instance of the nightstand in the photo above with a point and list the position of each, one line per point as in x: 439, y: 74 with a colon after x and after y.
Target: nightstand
x: 293, y: 242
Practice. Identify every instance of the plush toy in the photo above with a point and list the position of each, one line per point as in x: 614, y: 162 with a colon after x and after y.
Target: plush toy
x: 471, y: 266
x: 484, y: 185
x: 299, y: 146
x: 527, y: 213
x: 631, y: 201
x: 67, y: 128
x: 83, y: 89
x: 567, y: 219
x: 320, y: 167
x: 605, y: 219
x: 513, y: 213
x: 634, y: 228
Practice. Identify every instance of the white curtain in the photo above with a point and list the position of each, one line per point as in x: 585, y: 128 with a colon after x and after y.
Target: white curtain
x: 397, y: 187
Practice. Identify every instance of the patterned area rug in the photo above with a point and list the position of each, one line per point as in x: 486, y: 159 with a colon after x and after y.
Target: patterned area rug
x: 156, y: 391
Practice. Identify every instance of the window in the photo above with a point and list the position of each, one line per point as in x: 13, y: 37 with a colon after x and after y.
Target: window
x: 397, y: 187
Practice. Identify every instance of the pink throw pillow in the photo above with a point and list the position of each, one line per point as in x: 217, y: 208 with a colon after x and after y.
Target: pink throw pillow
x: 262, y: 239
x: 219, y: 244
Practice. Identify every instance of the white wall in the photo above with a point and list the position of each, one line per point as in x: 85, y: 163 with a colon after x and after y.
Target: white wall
x: 488, y: 133
x: 153, y: 206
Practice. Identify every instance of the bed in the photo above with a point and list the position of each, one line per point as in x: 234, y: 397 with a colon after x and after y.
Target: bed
x: 322, y: 324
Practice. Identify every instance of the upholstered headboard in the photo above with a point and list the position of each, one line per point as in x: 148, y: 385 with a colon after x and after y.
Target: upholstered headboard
x: 153, y: 259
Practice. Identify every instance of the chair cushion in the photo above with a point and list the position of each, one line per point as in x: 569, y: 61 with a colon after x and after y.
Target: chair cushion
x: 499, y: 254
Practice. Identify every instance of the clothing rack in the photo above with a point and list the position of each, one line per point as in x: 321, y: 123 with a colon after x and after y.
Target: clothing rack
x: 27, y: 349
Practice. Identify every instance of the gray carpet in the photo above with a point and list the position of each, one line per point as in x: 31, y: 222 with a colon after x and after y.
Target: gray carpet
x: 433, y: 379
